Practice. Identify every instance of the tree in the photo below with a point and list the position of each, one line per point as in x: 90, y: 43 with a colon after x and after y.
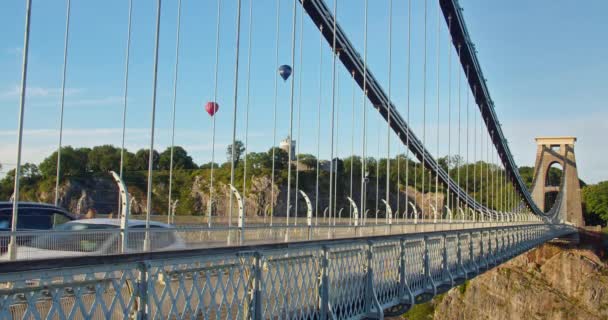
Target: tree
x: 208, y: 165
x: 140, y: 161
x: 181, y: 159
x: 73, y: 162
x: 281, y: 158
x: 308, y: 160
x: 239, y: 149
x: 104, y: 158
x: 527, y: 174
x: 595, y: 199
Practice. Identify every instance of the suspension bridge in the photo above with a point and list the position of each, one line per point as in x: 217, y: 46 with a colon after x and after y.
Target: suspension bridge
x: 328, y: 245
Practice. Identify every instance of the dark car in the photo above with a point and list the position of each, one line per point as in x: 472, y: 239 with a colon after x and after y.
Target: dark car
x: 32, y: 216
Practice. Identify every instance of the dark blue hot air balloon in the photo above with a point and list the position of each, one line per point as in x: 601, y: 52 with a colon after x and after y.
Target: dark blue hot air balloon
x: 285, y: 72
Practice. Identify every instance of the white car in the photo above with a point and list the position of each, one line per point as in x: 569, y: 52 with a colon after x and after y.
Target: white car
x: 97, y: 237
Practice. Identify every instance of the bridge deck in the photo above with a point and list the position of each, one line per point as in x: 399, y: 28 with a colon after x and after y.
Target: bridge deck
x: 346, y: 279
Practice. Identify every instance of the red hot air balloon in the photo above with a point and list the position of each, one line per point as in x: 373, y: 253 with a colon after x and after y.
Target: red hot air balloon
x: 212, y: 107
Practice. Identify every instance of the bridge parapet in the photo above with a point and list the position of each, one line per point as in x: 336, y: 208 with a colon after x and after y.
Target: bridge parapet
x: 348, y: 278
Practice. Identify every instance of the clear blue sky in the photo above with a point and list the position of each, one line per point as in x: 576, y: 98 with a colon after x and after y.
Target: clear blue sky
x: 545, y: 62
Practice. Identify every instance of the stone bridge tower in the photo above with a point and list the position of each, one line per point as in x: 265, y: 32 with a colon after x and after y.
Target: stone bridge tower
x: 560, y: 150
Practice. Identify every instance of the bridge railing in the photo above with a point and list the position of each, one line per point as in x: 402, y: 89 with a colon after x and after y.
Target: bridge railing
x: 98, y: 242
x: 346, y: 279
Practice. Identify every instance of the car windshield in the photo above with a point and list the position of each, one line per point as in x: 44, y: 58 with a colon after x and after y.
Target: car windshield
x: 79, y: 242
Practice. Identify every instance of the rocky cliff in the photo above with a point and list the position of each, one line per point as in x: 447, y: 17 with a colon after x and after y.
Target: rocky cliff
x: 101, y: 193
x: 553, y: 281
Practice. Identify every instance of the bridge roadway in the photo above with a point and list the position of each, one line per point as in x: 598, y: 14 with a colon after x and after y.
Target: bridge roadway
x: 351, y: 278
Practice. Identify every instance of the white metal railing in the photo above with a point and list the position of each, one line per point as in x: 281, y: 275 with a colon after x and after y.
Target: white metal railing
x: 46, y: 244
x: 330, y: 279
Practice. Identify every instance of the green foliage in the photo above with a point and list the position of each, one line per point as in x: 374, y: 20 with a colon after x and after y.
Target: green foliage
x: 477, y: 178
x: 595, y: 199
x: 239, y: 149
x: 140, y: 160
x: 463, y: 287
x: 308, y: 159
x: 527, y: 174
x: 181, y: 159
x: 423, y: 311
x: 104, y: 158
x: 73, y: 163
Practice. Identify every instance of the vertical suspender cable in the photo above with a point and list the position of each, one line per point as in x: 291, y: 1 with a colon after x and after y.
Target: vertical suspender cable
x: 449, y: 106
x: 378, y: 166
x: 488, y: 181
x: 250, y: 31
x: 65, y: 65
x: 333, y: 107
x: 459, y: 162
x: 474, y: 132
x: 319, y: 124
x: 481, y: 202
x: 388, y: 124
x: 378, y: 134
x: 438, y: 103
x: 217, y: 57
x: 26, y: 45
x: 126, y: 91
x: 467, y: 140
x: 235, y: 108
x: 274, y: 123
x: 363, y: 133
x: 491, y: 172
x: 423, y: 164
x: 407, y: 138
x: 490, y: 189
x: 352, y: 147
x: 293, y: 58
x: 151, y: 154
x: 298, y: 142
x: 337, y: 145
x: 177, y: 36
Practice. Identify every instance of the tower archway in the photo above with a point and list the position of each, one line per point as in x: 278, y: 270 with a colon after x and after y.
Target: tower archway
x: 556, y: 188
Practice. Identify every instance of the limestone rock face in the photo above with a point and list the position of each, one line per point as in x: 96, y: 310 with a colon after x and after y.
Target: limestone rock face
x: 80, y: 195
x: 549, y: 282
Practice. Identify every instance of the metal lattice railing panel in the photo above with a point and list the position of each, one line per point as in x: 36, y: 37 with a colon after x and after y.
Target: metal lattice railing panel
x: 347, y: 278
x: 211, y: 288
x: 451, y: 247
x: 465, y: 252
x: 290, y: 284
x: 437, y: 270
x: 102, y: 292
x: 414, y: 265
x: 386, y: 264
